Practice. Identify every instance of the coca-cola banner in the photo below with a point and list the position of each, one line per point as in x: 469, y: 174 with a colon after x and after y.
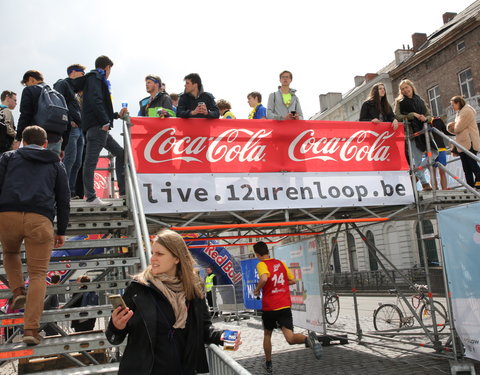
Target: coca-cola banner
x: 191, y: 165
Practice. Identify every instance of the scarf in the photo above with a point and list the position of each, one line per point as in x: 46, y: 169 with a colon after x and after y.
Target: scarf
x: 417, y: 105
x: 172, y: 289
x: 104, y: 77
x: 253, y: 111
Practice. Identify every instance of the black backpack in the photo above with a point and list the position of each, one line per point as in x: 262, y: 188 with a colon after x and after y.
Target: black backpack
x: 52, y: 112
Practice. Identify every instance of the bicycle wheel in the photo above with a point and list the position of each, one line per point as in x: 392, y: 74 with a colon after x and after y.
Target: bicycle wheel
x: 387, y: 317
x: 332, y: 309
x: 441, y: 316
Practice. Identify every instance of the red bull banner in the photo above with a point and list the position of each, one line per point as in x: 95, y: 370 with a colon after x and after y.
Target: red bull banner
x: 195, y: 165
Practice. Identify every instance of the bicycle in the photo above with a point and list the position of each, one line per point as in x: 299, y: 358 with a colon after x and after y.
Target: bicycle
x: 390, y: 317
x: 331, y: 304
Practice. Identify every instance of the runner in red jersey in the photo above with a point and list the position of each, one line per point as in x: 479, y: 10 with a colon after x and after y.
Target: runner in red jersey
x: 275, y: 279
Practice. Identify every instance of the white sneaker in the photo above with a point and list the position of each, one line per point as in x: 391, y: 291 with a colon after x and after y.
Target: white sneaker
x: 99, y: 203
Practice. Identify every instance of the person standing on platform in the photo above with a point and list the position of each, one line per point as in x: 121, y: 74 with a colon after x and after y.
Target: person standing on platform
x: 275, y: 278
x: 258, y: 110
x: 284, y: 103
x: 194, y: 102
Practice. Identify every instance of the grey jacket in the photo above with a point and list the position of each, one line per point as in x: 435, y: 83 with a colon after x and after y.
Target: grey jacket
x: 277, y: 110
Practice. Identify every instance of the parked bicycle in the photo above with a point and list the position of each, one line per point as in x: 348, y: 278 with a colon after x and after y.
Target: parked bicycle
x: 391, y: 317
x: 331, y: 303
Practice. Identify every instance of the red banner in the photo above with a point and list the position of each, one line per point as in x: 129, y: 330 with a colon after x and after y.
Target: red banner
x: 262, y: 146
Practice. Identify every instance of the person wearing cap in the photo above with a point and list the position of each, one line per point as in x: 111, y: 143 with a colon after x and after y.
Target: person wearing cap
x: 158, y: 104
x: 76, y: 141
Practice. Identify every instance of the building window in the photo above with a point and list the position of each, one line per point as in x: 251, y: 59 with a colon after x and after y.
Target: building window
x: 460, y: 46
x: 371, y: 258
x: 434, y: 98
x: 336, y: 257
x: 465, y: 80
x: 429, y: 243
x: 352, y: 251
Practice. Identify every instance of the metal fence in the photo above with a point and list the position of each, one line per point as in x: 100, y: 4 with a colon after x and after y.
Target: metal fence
x: 221, y: 363
x: 377, y: 281
x: 227, y: 303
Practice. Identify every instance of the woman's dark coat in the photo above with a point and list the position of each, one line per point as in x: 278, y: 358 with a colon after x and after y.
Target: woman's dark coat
x: 151, y: 338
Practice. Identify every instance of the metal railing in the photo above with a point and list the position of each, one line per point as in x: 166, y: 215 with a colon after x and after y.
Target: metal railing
x: 221, y: 363
x: 136, y: 201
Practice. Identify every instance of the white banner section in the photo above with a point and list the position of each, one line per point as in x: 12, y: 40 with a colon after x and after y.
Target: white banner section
x: 170, y: 193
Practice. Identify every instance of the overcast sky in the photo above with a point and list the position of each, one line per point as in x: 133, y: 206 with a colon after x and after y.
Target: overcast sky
x: 236, y: 46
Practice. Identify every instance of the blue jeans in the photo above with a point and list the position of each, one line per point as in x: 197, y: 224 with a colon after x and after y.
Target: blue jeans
x: 73, y: 156
x: 56, y: 147
x: 420, y: 161
x: 97, y: 139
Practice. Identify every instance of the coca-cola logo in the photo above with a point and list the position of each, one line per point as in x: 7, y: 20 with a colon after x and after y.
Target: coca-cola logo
x: 99, y: 181
x: 228, y: 146
x: 306, y: 146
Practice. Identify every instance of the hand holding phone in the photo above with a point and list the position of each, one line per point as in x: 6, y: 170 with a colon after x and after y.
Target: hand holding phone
x: 117, y: 301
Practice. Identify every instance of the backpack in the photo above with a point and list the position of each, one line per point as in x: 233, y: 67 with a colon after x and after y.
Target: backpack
x: 52, y: 112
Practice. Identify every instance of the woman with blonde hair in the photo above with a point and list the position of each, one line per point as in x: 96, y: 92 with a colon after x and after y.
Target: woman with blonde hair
x: 466, y: 133
x: 166, y: 318
x: 409, y: 106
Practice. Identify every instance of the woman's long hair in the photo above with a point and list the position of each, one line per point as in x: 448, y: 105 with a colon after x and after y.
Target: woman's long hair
x: 409, y: 83
x: 174, y: 243
x: 380, y: 102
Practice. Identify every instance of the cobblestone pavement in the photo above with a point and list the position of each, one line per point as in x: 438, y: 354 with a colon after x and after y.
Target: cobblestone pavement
x: 373, y: 357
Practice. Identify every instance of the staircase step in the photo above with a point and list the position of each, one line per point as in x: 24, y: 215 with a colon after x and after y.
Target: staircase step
x: 93, y: 286
x: 54, y: 345
x: 98, y: 226
x: 106, y: 369
x: 85, y: 264
x: 60, y: 315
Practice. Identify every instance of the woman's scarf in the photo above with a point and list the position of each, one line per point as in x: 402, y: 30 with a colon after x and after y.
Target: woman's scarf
x: 417, y: 105
x: 172, y: 289
x: 252, y: 112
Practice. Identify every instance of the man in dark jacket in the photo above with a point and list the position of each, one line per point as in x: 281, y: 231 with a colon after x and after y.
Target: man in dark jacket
x: 74, y: 147
x: 32, y: 183
x: 33, y: 79
x: 195, y: 102
x: 157, y: 101
x: 97, y: 120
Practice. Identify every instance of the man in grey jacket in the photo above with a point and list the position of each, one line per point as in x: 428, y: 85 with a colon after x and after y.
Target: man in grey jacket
x: 284, y: 103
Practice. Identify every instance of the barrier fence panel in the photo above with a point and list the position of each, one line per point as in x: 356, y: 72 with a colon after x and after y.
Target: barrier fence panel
x: 225, y: 301
x: 221, y: 363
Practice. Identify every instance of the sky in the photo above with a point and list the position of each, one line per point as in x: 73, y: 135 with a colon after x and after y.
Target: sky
x: 236, y: 46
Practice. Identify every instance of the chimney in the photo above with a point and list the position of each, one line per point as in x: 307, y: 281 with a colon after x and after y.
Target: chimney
x: 329, y: 100
x: 447, y: 17
x: 402, y: 54
x: 370, y: 76
x: 359, y: 80
x: 417, y: 40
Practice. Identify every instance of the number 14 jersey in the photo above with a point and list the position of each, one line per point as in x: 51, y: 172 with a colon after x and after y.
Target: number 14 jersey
x: 276, y: 291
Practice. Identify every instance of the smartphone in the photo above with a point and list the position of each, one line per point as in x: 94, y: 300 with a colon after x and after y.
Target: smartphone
x: 117, y: 300
x: 293, y: 113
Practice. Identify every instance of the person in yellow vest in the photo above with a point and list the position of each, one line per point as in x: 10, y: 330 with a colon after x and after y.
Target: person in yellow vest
x: 210, y: 281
